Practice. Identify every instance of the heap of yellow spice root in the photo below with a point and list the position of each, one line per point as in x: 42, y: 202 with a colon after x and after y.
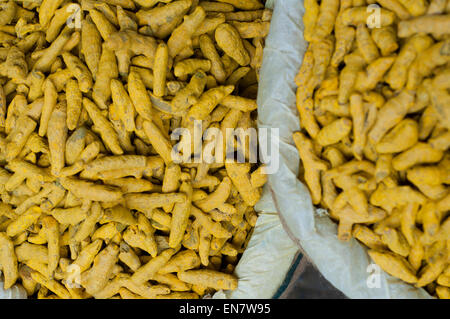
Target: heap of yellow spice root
x: 374, y: 106
x: 92, y: 202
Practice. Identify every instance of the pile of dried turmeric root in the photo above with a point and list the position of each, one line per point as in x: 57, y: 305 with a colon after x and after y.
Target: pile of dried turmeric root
x: 374, y: 105
x: 92, y: 203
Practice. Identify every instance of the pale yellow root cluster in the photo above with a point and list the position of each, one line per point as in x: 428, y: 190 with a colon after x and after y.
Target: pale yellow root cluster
x: 374, y: 107
x: 93, y: 204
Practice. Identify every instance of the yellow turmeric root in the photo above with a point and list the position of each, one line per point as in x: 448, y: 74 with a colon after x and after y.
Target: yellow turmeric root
x: 313, y: 165
x: 93, y: 205
x: 394, y: 265
x: 209, y: 278
x: 229, y: 40
x: 8, y: 261
x: 371, y: 97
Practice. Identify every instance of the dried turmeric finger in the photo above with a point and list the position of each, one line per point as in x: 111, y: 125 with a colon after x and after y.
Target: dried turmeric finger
x: 79, y: 71
x: 209, y: 278
x: 74, y: 104
x: 229, y: 40
x: 249, y: 30
x: 385, y: 39
x: 159, y: 141
x: 160, y: 69
x: 322, y: 53
x: 388, y: 198
x: 129, y: 43
x: 312, y: 164
x: 91, y: 45
x: 219, y: 196
x: 400, y: 138
x: 25, y: 220
x: 72, y: 216
x: 421, y: 153
x: 216, y: 229
x: 426, y: 61
x: 247, y: 5
x: 87, y: 255
x: 139, y: 95
x: 8, y: 261
x: 17, y: 138
x: 57, y: 136
x: 123, y: 102
x: 389, y: 115
x: 345, y: 36
x: 88, y: 225
x: 107, y: 132
x: 51, y: 231
x: 107, y: 70
x: 137, y: 238
x: 50, y: 97
x: 181, y: 261
x: 366, y: 44
x: 347, y: 217
x: 148, y: 270
x: 51, y: 285
x: 357, y: 15
x: 334, y: 132
x: 157, y: 17
x: 394, y: 265
x: 368, y: 79
x: 326, y: 18
x: 398, y: 74
x: 210, y: 52
x: 208, y: 101
x: 88, y: 190
x: 86, y: 88
x: 432, y: 270
x: 443, y: 292
x: 98, y: 275
x: 189, y: 95
x: 368, y: 237
x: 183, y: 33
x: 396, y: 242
